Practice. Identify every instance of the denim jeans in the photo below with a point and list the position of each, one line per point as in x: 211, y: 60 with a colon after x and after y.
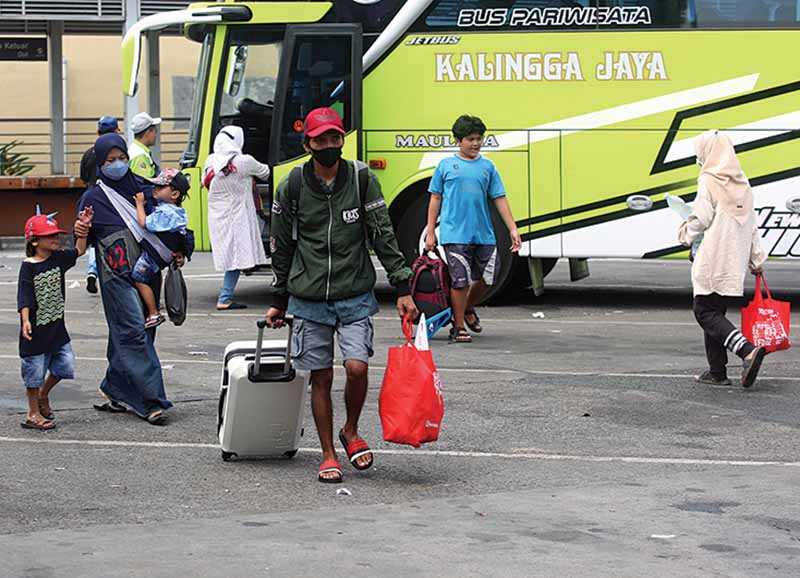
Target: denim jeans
x: 91, y: 262
x: 60, y: 363
x: 228, y: 287
x: 133, y: 377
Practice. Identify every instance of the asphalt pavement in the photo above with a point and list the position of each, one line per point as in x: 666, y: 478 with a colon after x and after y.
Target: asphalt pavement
x: 575, y: 443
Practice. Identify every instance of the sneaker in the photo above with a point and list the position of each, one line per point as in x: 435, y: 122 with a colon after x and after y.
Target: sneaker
x: 91, y: 284
x: 154, y: 321
x: 751, y: 365
x: 708, y: 378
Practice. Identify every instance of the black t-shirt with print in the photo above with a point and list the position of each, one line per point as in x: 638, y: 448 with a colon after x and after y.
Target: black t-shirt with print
x: 41, y: 289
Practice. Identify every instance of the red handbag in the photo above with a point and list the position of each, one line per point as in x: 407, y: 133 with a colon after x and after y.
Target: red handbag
x: 765, y: 322
x: 410, y: 405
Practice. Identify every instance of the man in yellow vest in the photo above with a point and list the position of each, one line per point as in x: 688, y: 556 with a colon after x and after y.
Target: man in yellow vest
x: 145, y: 131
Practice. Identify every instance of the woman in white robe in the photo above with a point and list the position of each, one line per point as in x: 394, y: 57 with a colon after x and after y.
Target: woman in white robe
x: 232, y: 221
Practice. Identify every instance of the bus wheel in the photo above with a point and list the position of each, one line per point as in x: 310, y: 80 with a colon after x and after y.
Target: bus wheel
x: 411, y: 231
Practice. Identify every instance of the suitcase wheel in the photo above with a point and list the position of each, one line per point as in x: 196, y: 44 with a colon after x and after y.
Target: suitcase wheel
x: 226, y: 456
x: 290, y: 454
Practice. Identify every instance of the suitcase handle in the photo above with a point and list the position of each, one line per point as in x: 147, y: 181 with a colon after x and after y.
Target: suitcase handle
x: 261, y: 324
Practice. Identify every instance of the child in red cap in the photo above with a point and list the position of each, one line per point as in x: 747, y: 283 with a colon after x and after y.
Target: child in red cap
x: 44, y: 343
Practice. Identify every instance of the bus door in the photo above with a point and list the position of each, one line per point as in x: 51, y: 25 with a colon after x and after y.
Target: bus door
x: 320, y: 66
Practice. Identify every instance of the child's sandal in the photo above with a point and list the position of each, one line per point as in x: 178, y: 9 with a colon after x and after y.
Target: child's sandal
x: 460, y: 335
x: 45, y: 410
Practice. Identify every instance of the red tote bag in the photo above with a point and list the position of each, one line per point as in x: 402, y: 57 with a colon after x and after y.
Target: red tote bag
x: 410, y: 405
x: 765, y: 322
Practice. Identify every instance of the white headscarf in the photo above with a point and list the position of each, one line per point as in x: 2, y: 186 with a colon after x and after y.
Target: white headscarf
x: 227, y: 145
x: 722, y: 175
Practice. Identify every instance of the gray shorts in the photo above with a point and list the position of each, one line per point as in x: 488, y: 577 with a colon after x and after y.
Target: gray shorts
x: 469, y: 264
x: 312, y: 343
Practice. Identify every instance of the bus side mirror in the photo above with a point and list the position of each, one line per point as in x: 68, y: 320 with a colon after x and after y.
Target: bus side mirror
x: 237, y: 61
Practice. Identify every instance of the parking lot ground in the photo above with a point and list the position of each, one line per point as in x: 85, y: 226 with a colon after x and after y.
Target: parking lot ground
x: 577, y: 444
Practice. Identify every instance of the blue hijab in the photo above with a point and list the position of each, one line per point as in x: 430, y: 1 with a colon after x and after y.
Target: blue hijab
x: 106, y: 219
x: 128, y: 185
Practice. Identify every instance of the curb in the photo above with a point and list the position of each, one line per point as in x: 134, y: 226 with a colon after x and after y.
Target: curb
x: 12, y: 243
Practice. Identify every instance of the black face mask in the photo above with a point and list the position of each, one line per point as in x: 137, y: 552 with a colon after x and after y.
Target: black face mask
x: 327, y: 157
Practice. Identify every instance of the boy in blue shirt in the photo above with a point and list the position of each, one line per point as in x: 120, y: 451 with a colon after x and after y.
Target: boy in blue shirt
x: 169, y: 220
x: 461, y: 188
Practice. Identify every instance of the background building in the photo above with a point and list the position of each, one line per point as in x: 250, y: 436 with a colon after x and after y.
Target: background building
x: 90, y: 83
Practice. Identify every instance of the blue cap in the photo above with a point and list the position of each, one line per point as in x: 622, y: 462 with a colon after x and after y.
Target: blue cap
x: 107, y: 124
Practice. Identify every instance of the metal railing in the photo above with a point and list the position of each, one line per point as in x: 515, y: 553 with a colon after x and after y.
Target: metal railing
x: 35, y: 145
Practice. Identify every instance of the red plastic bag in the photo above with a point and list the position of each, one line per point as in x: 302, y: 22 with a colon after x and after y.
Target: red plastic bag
x: 411, y: 405
x: 765, y: 322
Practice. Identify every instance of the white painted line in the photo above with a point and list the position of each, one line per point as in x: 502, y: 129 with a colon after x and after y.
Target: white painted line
x: 526, y: 320
x: 530, y: 320
x: 520, y: 372
x: 753, y: 131
x: 337, y: 368
x: 432, y: 453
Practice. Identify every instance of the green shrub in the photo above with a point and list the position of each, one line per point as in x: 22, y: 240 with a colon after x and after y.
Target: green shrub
x: 11, y: 163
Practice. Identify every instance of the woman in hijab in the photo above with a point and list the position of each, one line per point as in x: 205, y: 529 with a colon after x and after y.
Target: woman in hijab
x: 133, y: 378
x: 232, y: 221
x: 723, y: 214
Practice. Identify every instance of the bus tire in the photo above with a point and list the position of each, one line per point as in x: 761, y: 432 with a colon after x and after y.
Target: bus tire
x: 411, y: 227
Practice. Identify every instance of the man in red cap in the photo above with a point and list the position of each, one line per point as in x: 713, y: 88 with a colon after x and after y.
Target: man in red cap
x: 325, y: 215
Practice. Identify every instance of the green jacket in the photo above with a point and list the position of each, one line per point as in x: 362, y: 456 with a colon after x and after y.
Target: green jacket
x: 141, y: 160
x: 324, y: 257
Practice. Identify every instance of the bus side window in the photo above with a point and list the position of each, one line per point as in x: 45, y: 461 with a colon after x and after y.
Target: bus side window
x: 747, y: 12
x: 663, y: 13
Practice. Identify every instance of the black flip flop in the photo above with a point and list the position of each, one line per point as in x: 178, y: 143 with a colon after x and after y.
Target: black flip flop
x: 460, y: 336
x: 751, y: 368
x: 110, y: 407
x: 232, y: 306
x: 47, y: 426
x: 475, y: 326
x: 158, y: 417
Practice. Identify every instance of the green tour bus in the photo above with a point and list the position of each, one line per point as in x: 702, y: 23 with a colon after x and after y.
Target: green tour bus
x: 591, y: 106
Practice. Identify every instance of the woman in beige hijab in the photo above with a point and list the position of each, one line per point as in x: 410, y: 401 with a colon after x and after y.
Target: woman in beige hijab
x: 723, y: 214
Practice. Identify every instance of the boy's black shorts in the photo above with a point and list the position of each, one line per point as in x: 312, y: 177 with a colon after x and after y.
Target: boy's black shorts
x: 470, y: 263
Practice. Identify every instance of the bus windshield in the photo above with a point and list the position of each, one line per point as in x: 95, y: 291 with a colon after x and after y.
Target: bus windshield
x: 189, y: 157
x: 249, y: 76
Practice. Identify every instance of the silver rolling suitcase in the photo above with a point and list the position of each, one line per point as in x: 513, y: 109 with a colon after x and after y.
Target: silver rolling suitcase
x: 262, y: 399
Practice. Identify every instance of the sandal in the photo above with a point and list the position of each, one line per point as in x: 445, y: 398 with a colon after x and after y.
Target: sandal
x: 231, y: 306
x: 158, y: 417
x: 474, y: 326
x: 154, y: 321
x: 460, y: 335
x: 356, y: 449
x: 41, y: 426
x: 46, y: 410
x: 330, y: 467
x: 110, y: 406
x: 751, y: 365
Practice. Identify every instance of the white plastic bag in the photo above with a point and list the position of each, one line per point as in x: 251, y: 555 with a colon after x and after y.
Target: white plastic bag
x: 421, y: 337
x: 683, y: 209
